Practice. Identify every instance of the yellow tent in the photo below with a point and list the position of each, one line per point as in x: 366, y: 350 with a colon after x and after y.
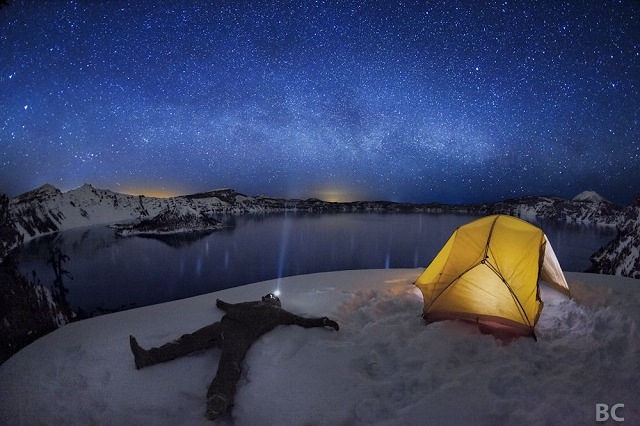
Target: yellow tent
x: 488, y: 273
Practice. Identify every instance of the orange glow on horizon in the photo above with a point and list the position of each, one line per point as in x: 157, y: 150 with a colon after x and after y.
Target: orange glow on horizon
x: 152, y: 192
x: 336, y: 195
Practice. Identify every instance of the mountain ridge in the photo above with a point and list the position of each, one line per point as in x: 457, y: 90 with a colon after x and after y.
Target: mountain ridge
x: 46, y: 210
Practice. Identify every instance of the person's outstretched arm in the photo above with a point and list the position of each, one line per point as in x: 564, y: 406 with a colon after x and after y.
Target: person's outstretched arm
x: 293, y: 319
x: 223, y: 305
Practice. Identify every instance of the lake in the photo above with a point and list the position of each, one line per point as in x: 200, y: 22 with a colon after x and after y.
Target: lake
x: 110, y: 271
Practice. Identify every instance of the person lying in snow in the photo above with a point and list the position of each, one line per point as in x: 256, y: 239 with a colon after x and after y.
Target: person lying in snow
x: 242, y: 325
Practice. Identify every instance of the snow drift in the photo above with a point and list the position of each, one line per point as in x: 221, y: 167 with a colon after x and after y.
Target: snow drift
x: 384, y: 366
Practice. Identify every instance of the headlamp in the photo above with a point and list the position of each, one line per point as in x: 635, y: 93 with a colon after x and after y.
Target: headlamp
x: 272, y: 298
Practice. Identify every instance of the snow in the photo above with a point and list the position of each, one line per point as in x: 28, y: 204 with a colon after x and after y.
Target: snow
x: 384, y: 366
x: 590, y: 196
x: 171, y: 220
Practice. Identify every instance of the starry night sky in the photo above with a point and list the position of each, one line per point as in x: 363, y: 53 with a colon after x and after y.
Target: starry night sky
x: 413, y: 101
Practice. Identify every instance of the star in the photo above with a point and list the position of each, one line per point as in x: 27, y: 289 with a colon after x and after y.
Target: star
x: 417, y: 101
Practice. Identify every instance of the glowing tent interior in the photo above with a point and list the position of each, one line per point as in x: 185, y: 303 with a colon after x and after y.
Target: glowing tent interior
x: 488, y: 273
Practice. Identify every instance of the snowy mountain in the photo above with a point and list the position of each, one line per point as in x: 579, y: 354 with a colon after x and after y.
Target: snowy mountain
x: 591, y: 197
x: 171, y: 220
x: 621, y: 256
x: 556, y: 208
x: 47, y: 209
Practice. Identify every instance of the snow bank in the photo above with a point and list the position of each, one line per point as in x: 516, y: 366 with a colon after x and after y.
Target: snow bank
x: 384, y: 366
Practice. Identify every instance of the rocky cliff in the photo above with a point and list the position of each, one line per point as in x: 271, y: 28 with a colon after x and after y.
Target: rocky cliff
x: 621, y: 256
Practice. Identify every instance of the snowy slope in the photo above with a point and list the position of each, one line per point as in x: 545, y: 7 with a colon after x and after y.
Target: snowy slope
x: 585, y: 211
x: 384, y: 366
x: 621, y: 256
x: 47, y: 209
x: 590, y: 197
x: 172, y: 220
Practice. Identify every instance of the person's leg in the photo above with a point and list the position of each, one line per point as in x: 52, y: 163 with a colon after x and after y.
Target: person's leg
x: 223, y: 387
x: 204, y: 338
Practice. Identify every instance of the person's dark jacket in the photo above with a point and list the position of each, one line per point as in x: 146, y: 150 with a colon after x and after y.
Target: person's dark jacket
x: 260, y: 317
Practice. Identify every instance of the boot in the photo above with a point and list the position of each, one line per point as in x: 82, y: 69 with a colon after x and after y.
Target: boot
x: 141, y: 357
x: 216, y: 405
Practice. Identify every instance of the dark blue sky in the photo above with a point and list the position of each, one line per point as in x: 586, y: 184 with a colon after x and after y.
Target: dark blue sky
x: 401, y: 100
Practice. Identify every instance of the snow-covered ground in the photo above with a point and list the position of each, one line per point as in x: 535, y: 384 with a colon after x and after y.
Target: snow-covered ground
x: 384, y: 366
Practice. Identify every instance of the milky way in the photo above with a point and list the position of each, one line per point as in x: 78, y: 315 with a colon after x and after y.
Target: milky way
x: 407, y: 101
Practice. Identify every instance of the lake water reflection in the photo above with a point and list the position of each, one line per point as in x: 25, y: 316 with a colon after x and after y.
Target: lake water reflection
x: 111, y: 271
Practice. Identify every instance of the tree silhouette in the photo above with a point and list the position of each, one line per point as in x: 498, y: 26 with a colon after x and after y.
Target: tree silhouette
x: 56, y: 260
x: 9, y: 236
